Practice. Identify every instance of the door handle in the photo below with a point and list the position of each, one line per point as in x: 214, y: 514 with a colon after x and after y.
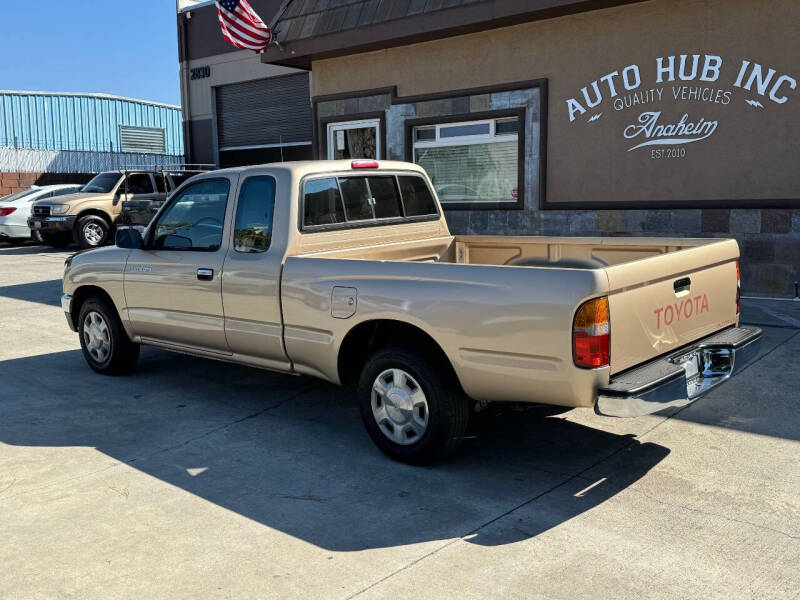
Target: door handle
x: 205, y: 274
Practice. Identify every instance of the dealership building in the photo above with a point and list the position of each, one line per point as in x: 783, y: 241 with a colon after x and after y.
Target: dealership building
x: 675, y: 118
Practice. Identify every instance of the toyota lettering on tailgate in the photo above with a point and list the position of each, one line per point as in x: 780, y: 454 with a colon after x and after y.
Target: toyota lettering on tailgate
x: 685, y: 309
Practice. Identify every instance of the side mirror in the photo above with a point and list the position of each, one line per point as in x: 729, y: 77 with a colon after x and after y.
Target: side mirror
x: 129, y: 238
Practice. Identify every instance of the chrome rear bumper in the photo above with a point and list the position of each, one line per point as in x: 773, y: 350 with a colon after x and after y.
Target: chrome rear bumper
x: 680, y: 378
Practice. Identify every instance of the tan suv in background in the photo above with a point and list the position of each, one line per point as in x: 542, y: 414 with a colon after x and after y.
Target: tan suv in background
x: 89, y: 216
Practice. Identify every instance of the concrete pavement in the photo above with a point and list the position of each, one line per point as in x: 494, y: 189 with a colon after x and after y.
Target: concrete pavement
x: 197, y: 479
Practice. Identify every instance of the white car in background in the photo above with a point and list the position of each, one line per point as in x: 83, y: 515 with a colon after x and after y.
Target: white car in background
x: 16, y: 208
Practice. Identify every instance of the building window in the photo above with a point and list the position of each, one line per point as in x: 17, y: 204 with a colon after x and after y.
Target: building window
x: 473, y: 162
x: 354, y: 139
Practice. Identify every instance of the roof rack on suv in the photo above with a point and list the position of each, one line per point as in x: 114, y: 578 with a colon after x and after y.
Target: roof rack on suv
x: 169, y: 167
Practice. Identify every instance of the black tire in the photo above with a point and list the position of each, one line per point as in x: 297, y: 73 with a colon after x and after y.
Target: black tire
x: 57, y: 240
x: 447, y: 407
x: 122, y: 354
x: 16, y: 241
x: 92, y: 231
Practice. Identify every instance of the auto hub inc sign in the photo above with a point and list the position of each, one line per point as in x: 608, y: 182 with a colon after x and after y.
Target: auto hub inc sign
x: 702, y: 129
x: 683, y: 79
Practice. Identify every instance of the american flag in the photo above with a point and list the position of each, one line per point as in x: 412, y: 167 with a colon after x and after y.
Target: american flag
x: 241, y: 26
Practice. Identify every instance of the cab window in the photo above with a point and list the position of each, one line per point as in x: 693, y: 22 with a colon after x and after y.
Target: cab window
x: 194, y: 219
x: 357, y: 199
x: 385, y: 197
x: 323, y: 202
x: 378, y: 199
x: 254, y: 214
x: 138, y: 183
x: 417, y: 198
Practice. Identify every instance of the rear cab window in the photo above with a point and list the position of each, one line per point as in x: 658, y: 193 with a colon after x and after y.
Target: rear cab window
x: 344, y: 201
x: 322, y: 202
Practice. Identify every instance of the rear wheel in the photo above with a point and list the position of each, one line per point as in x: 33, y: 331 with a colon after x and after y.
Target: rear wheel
x: 91, y: 231
x: 412, y: 405
x: 104, y: 342
x: 57, y: 240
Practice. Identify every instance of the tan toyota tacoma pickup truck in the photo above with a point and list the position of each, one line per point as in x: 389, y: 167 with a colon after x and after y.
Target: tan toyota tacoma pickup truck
x: 346, y: 271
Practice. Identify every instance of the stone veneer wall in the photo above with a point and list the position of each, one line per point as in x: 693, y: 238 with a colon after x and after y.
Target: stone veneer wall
x: 769, y: 239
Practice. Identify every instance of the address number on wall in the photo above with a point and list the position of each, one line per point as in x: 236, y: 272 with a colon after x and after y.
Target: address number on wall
x: 201, y: 72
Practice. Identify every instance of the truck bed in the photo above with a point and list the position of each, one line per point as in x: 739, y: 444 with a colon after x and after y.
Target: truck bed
x: 650, y: 316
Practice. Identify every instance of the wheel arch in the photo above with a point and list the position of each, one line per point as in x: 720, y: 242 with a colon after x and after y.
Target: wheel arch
x: 368, y: 336
x: 83, y: 293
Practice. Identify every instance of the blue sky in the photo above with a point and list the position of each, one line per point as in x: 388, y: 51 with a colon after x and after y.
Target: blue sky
x: 128, y: 48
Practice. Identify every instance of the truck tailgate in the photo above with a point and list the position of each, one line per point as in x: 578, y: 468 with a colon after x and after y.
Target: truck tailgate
x: 661, y: 303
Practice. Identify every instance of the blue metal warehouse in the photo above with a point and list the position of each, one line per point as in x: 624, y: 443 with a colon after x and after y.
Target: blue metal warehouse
x: 82, y: 133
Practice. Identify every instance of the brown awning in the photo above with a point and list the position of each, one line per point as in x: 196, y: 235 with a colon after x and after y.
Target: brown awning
x: 313, y: 29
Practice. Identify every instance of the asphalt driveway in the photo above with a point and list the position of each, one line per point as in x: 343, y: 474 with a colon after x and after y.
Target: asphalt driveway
x: 197, y: 479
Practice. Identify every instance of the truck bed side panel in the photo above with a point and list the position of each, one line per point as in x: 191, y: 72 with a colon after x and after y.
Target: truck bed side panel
x: 506, y: 330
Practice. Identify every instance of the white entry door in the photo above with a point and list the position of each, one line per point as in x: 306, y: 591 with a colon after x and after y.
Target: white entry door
x: 354, y: 139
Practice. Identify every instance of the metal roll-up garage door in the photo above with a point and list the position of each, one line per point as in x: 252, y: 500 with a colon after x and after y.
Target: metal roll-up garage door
x: 264, y: 113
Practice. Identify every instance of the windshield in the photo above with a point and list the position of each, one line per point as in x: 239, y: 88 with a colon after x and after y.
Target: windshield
x: 102, y: 183
x: 16, y: 196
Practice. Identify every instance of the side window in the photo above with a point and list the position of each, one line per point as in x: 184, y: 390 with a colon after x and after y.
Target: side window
x: 385, y: 198
x: 417, y: 198
x: 160, y: 187
x: 194, y: 219
x: 357, y: 201
x: 253, y: 229
x: 323, y: 203
x: 139, y: 183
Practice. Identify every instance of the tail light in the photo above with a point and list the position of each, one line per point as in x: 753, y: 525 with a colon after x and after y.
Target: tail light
x: 4, y: 212
x: 738, y: 289
x: 591, y: 332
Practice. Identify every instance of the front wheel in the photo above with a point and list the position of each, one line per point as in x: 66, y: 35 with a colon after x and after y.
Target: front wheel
x: 104, y: 343
x: 412, y: 405
x: 91, y: 231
